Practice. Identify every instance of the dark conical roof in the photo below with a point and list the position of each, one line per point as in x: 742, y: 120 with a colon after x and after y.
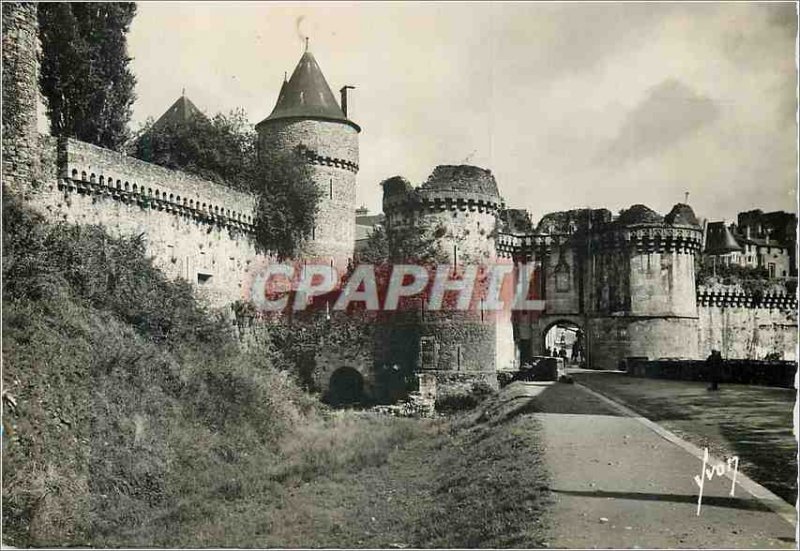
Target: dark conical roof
x: 307, y: 95
x: 720, y: 240
x: 182, y: 111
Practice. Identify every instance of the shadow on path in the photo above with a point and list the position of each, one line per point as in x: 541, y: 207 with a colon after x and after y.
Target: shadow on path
x: 729, y: 502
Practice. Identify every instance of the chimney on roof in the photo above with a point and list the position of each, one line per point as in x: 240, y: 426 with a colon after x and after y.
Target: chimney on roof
x: 343, y: 92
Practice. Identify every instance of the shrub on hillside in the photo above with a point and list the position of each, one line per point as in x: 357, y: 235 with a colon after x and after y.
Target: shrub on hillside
x: 124, y: 398
x: 464, y: 400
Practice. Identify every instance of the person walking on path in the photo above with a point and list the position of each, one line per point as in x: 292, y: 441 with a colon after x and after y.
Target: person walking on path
x: 714, y: 369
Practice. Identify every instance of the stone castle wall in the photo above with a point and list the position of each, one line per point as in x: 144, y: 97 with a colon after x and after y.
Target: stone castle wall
x: 613, y: 339
x: 747, y: 326
x: 20, y: 93
x: 194, y: 229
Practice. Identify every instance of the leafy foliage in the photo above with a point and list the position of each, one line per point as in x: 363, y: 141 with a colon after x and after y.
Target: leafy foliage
x: 221, y: 149
x: 417, y: 243
x: 754, y: 280
x: 84, y: 72
x: 288, y: 202
x: 224, y: 149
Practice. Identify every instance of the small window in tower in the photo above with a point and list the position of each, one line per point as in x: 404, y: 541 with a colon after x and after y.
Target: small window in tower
x: 330, y: 189
x: 203, y: 279
x: 314, y: 232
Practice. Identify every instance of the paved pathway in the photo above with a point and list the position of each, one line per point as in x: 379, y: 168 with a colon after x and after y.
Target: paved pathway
x: 617, y: 483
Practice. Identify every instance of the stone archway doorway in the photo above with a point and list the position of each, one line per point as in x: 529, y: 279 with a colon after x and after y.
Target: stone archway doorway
x: 346, y: 387
x: 565, y: 339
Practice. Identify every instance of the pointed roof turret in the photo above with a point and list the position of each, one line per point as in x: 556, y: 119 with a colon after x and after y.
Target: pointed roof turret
x: 307, y: 95
x: 182, y: 111
x: 720, y: 240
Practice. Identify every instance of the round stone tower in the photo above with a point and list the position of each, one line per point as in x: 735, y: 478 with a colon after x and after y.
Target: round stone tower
x: 644, y: 299
x: 307, y: 116
x: 459, y: 203
x: 456, y: 210
x: 20, y: 93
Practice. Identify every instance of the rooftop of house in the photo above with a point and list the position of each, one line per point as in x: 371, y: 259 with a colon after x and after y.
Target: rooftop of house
x: 720, y: 239
x: 369, y: 219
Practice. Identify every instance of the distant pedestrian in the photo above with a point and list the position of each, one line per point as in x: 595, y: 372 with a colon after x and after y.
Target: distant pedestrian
x: 714, y: 369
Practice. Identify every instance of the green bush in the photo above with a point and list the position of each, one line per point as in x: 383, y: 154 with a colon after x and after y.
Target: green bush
x: 466, y: 400
x: 126, y: 401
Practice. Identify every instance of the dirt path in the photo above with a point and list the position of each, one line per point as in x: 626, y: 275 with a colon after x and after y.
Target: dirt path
x: 616, y: 483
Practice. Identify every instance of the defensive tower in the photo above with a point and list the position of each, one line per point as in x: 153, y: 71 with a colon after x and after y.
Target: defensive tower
x: 20, y: 93
x: 643, y: 301
x: 307, y: 116
x: 458, y: 206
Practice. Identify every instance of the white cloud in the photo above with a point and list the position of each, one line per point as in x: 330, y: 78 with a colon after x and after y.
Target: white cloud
x: 535, y: 92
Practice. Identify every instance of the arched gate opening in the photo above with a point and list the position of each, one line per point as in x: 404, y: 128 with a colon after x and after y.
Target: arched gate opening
x: 565, y: 339
x: 346, y: 388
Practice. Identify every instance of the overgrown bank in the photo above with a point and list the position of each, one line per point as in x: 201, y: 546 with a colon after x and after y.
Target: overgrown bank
x: 131, y: 417
x: 123, y: 397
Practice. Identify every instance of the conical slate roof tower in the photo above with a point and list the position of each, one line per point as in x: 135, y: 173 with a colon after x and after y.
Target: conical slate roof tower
x: 307, y: 94
x: 307, y: 118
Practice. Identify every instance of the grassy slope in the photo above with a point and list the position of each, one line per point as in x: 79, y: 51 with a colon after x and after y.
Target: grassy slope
x: 362, y: 480
x: 125, y: 398
x: 138, y: 422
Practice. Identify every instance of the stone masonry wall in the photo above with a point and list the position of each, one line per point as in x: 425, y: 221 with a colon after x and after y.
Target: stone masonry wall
x: 740, y: 332
x: 194, y: 229
x: 612, y: 339
x: 663, y: 283
x: 561, y: 276
x: 20, y: 93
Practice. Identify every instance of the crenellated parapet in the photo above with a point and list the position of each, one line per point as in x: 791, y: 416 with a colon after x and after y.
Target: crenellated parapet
x: 90, y: 170
x: 454, y: 188
x: 533, y: 245
x: 335, y: 162
x: 728, y: 298
x: 431, y: 201
x: 649, y: 238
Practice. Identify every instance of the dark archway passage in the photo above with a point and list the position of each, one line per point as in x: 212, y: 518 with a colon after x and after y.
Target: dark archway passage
x: 566, y: 339
x: 346, y: 387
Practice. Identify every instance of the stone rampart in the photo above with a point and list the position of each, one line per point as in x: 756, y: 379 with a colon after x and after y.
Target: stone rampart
x: 194, y: 229
x: 20, y: 93
x: 87, y: 168
x: 747, y: 326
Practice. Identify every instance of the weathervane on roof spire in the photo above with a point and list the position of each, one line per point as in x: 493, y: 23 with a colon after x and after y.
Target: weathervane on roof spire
x: 183, y: 92
x: 306, y: 43
x: 686, y: 197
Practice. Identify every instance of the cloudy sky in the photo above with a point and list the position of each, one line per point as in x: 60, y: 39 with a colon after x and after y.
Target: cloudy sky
x: 569, y: 105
